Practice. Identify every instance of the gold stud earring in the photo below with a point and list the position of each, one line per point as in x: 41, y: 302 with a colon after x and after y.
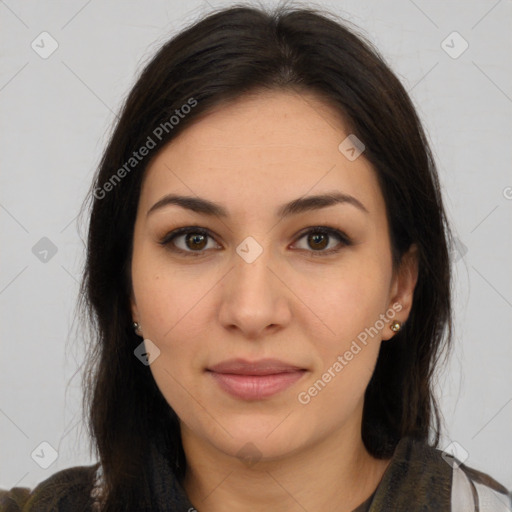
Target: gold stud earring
x: 396, y: 326
x: 137, y: 327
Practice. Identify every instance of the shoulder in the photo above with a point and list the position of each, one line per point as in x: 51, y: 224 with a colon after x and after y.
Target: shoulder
x: 470, y: 489
x: 68, y: 489
x: 422, y: 477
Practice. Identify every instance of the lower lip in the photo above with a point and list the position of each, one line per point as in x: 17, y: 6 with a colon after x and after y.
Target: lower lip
x: 256, y: 387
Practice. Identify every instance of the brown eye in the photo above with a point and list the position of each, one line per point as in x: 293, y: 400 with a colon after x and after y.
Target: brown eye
x: 195, y: 241
x: 191, y: 241
x: 318, y: 238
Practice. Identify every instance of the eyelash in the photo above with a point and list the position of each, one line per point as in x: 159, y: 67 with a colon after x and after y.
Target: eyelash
x: 167, y: 240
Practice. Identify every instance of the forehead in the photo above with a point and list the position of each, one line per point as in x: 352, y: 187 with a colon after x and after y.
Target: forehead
x: 261, y: 150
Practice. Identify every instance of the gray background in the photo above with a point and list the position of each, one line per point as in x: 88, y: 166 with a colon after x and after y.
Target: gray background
x: 56, y: 116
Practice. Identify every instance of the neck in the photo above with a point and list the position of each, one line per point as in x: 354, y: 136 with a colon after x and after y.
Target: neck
x: 336, y: 473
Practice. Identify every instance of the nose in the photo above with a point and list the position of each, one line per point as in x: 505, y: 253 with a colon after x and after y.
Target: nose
x: 255, y: 299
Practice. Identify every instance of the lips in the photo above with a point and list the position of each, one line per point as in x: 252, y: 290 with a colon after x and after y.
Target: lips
x: 255, y: 380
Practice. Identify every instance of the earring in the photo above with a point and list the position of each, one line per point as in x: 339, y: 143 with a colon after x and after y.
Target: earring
x: 137, y: 327
x: 396, y: 326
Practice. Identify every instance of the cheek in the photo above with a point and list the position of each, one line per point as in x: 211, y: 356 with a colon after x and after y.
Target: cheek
x: 177, y: 315
x: 348, y: 340
x: 176, y: 320
x: 167, y: 295
x: 346, y: 299
x: 349, y: 302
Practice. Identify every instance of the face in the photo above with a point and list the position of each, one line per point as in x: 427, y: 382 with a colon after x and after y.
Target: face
x: 268, y: 319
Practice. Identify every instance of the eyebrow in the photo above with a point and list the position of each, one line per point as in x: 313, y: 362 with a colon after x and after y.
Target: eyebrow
x: 300, y: 205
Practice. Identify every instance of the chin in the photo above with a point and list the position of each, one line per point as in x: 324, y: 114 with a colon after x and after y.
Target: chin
x: 268, y: 440
x: 253, y: 449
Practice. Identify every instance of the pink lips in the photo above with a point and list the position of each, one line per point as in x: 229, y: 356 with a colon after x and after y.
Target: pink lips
x: 256, y: 380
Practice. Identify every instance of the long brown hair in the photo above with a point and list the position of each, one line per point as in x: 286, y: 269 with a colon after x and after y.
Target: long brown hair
x: 221, y: 57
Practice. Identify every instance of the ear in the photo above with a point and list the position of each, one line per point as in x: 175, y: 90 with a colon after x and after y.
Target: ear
x: 402, y: 288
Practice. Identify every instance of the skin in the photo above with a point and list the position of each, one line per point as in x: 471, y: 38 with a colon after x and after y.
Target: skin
x: 252, y: 155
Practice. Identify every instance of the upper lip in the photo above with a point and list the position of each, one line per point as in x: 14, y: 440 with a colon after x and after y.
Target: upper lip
x: 260, y: 367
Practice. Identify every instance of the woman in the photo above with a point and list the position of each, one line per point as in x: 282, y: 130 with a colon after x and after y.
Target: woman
x: 268, y: 276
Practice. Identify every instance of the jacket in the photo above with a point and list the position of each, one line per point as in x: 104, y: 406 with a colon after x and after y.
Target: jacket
x: 419, y: 478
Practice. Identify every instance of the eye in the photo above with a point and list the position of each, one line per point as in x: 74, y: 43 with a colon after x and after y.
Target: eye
x: 319, y: 237
x: 194, y: 240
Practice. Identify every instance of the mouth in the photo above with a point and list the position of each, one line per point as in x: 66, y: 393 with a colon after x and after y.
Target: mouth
x: 255, y: 380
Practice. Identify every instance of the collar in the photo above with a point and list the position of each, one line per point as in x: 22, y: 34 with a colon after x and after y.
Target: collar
x: 417, y: 477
